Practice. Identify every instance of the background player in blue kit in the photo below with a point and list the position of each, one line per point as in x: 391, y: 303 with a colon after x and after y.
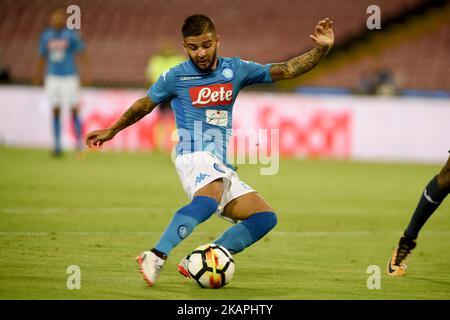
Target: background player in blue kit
x: 58, y: 48
x: 202, y: 92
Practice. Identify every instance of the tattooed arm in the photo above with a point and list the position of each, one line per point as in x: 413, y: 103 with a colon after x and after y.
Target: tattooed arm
x: 323, y: 37
x: 137, y: 111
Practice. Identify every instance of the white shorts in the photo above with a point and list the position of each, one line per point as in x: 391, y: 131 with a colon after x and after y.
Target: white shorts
x: 62, y: 91
x: 200, y: 168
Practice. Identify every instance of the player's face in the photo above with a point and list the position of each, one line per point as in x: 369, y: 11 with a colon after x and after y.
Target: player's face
x: 202, y: 50
x: 58, y: 19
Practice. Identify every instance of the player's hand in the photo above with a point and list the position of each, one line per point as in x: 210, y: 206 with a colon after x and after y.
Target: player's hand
x: 97, y: 137
x: 323, y: 34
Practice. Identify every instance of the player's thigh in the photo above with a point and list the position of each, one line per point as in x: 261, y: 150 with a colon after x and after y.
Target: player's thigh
x: 245, y: 206
x: 52, y: 88
x: 70, y: 92
x: 213, y: 190
x: 444, y: 176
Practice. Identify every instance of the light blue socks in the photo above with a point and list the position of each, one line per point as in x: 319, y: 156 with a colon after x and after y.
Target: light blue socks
x: 184, y: 221
x: 247, y: 232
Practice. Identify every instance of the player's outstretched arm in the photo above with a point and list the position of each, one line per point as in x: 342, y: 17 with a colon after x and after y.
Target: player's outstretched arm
x: 324, y: 38
x: 137, y: 111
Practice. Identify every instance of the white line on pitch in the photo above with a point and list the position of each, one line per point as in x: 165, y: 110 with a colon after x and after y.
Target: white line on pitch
x: 150, y: 209
x: 86, y: 210
x: 276, y: 233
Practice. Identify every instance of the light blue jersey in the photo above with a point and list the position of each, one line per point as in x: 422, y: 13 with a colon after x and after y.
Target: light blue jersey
x: 59, y: 47
x: 203, y: 101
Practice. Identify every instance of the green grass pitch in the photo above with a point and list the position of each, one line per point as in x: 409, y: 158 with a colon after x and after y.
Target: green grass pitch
x: 336, y: 218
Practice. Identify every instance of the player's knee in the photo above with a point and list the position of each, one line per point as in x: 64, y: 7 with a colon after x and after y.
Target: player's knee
x: 201, y: 208
x: 263, y: 222
x: 271, y: 220
x: 443, y: 177
x: 444, y: 180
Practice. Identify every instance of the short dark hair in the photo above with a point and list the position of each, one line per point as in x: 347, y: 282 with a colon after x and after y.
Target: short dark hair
x: 197, y: 24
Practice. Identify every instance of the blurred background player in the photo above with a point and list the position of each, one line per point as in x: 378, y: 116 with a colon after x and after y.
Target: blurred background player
x: 203, y: 91
x: 166, y: 58
x: 433, y: 195
x: 58, y: 47
x: 378, y: 81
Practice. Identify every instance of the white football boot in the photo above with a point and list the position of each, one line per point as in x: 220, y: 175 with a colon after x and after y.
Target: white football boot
x: 150, y: 265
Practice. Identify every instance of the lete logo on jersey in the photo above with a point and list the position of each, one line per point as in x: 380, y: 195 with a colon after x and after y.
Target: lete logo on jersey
x: 213, y: 95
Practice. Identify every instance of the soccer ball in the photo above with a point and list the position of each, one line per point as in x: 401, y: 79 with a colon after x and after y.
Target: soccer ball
x: 210, y: 266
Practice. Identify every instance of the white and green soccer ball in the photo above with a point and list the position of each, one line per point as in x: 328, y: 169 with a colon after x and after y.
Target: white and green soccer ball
x: 210, y: 266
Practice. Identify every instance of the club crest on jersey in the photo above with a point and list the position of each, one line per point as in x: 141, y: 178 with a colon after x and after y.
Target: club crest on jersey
x: 227, y: 73
x: 213, y: 95
x: 218, y: 167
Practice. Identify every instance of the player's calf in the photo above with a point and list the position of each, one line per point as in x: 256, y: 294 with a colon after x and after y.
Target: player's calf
x: 78, y: 131
x: 432, y: 196
x: 247, y: 232
x: 184, y: 222
x: 57, y: 150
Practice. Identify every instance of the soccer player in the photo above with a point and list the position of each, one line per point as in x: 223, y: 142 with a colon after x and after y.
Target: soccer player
x: 57, y: 48
x: 433, y: 195
x: 202, y: 91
